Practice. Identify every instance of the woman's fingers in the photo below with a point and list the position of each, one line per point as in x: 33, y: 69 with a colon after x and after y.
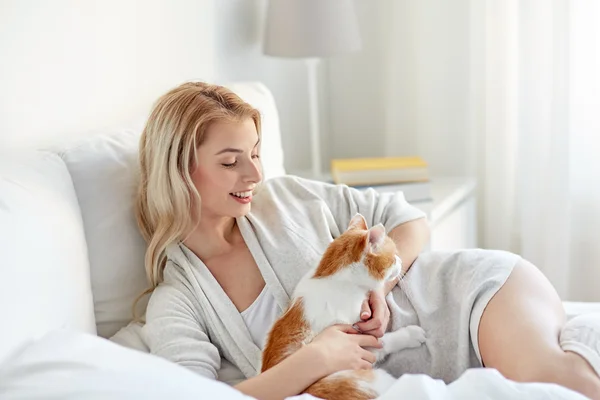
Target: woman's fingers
x: 368, y: 356
x: 366, y: 365
x: 370, y: 325
x: 346, y: 328
x: 368, y: 341
x: 365, y: 310
x: 380, y: 316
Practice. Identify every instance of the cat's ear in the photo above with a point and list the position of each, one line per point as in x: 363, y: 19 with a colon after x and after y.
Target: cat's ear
x: 358, y: 222
x: 376, y: 237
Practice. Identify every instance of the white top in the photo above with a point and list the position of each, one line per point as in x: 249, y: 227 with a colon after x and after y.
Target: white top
x: 261, y: 316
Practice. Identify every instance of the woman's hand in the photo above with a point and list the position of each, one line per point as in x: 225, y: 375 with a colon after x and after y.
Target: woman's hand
x: 341, y: 347
x: 374, y: 314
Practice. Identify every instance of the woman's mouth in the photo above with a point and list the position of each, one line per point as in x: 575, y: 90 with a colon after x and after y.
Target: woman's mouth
x: 242, y: 197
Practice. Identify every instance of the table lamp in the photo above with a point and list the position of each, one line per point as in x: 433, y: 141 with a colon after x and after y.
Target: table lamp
x: 311, y: 29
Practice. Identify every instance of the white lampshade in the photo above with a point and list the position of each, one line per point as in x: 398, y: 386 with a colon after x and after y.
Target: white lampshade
x: 311, y: 28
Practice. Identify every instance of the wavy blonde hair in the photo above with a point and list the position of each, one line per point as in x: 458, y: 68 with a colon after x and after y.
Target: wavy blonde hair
x: 166, y: 196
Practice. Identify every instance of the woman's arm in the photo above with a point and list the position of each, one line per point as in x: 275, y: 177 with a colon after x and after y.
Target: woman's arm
x: 410, y: 238
x: 173, y: 332
x: 288, y: 378
x: 389, y: 208
x: 337, y: 348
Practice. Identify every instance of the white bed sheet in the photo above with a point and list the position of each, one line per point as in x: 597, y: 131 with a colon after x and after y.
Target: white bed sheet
x: 65, y: 364
x: 474, y: 384
x: 574, y: 308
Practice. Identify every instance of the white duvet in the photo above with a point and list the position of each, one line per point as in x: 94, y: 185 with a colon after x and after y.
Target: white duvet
x: 69, y: 365
x: 474, y: 384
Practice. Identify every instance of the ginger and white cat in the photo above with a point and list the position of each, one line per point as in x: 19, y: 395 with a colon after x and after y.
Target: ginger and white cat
x: 357, y: 262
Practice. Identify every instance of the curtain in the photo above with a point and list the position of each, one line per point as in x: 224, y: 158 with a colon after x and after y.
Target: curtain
x: 535, y: 110
x: 506, y: 91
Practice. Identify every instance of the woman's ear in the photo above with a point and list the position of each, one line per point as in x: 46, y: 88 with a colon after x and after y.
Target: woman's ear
x: 358, y: 222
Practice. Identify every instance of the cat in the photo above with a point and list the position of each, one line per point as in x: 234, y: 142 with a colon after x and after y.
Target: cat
x: 358, y: 261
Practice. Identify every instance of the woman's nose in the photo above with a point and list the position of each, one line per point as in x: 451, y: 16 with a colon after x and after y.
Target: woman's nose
x: 253, y: 172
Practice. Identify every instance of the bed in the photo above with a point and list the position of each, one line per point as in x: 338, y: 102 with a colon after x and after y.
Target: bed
x: 71, y: 268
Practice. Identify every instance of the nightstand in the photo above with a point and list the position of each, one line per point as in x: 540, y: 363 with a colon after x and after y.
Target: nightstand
x: 452, y: 213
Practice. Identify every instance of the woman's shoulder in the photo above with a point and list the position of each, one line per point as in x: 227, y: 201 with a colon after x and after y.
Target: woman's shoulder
x: 281, y: 193
x: 173, y: 294
x: 174, y: 285
x: 282, y: 181
x: 291, y: 186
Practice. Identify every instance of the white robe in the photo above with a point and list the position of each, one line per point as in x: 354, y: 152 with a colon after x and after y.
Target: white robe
x: 192, y: 322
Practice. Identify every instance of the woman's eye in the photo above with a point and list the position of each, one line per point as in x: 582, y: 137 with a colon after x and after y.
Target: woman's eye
x: 233, y: 164
x: 255, y: 156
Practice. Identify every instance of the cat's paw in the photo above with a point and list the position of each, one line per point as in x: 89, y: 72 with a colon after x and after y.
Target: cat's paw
x: 416, y: 335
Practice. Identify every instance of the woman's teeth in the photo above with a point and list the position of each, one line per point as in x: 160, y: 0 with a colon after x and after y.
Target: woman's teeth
x: 242, y: 195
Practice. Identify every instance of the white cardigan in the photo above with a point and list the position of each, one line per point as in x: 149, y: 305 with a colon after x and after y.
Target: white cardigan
x: 192, y: 322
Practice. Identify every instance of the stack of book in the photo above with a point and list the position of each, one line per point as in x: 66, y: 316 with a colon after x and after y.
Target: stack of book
x: 409, y: 175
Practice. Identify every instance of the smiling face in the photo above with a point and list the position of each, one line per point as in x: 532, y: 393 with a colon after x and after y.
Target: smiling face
x: 228, y: 168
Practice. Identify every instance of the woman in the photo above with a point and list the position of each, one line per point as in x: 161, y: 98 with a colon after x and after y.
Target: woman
x: 225, y: 253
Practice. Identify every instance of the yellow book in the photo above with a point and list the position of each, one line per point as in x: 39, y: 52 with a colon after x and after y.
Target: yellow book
x: 377, y: 171
x: 355, y: 164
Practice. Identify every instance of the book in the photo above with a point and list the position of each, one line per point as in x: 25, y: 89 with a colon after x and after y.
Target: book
x: 379, y: 171
x: 413, y: 191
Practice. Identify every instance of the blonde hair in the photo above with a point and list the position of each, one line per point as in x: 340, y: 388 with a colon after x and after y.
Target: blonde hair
x: 176, y: 127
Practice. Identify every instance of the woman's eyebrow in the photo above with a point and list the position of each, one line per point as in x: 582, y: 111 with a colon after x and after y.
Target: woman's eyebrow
x: 229, y: 150
x: 232, y: 150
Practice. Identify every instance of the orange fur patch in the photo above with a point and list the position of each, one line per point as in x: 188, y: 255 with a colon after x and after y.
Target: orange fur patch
x: 286, y: 336
x: 344, y: 250
x: 343, y: 387
x: 349, y: 248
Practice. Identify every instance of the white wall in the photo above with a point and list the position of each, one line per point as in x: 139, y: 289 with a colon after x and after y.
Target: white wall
x: 239, y: 33
x: 407, y: 92
x: 356, y: 91
x: 67, y: 66
x: 71, y: 66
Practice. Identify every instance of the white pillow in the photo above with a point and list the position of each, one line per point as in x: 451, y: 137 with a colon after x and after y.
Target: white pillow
x: 104, y: 169
x: 44, y: 269
x: 65, y: 364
